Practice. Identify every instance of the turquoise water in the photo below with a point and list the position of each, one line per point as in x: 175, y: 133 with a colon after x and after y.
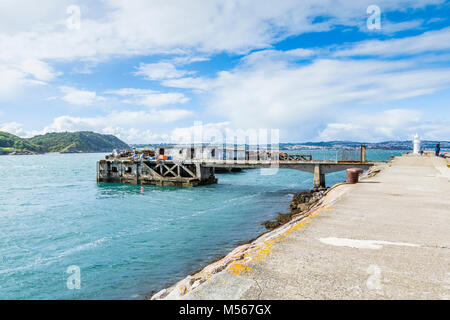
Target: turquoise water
x: 126, y: 243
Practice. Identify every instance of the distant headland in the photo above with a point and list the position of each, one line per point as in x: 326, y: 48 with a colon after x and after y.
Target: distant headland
x: 62, y: 142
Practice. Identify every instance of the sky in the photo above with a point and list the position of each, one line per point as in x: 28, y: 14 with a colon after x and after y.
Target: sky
x: 153, y: 71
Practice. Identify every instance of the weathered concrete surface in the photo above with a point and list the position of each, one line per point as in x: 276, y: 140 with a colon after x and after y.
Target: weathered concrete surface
x: 387, y: 237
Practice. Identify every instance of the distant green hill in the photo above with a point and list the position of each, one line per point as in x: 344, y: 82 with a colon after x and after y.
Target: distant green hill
x: 10, y: 143
x: 67, y: 142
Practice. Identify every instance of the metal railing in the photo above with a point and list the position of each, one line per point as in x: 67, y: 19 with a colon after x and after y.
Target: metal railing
x: 332, y: 155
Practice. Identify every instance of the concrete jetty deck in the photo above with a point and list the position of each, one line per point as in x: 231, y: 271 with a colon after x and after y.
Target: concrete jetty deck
x: 387, y: 237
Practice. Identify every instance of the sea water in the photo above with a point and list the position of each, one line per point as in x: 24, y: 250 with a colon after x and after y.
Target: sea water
x: 125, y: 243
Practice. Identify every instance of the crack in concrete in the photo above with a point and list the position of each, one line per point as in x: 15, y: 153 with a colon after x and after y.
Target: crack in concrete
x: 260, y: 289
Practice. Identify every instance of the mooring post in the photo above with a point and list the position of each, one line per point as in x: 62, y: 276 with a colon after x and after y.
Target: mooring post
x: 198, y: 168
x: 319, y: 177
x: 363, y: 154
x: 137, y: 172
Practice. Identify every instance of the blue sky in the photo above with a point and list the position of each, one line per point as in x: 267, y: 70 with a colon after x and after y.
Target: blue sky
x: 148, y: 71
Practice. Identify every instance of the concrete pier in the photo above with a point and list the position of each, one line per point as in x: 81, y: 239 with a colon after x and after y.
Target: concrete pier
x: 200, y: 172
x: 186, y: 169
x: 386, y: 237
x: 318, y: 168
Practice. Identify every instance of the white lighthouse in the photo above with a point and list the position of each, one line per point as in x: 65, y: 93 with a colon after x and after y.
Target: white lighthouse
x: 416, y: 143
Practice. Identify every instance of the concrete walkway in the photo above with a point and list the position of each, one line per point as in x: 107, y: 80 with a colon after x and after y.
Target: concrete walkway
x: 387, y: 237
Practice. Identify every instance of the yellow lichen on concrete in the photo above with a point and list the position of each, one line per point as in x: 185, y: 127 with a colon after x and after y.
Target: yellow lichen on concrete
x: 263, y: 249
x: 182, y: 290
x: 236, y: 268
x: 259, y: 252
x: 240, y: 259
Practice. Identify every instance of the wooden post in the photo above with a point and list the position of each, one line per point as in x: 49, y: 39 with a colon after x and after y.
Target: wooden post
x: 137, y: 172
x: 198, y: 169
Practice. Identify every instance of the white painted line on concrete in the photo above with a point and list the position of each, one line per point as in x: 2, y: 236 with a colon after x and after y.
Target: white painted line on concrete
x: 363, y: 244
x: 421, y: 189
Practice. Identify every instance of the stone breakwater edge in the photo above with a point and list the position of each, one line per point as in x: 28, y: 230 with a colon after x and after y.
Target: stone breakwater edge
x: 303, y: 207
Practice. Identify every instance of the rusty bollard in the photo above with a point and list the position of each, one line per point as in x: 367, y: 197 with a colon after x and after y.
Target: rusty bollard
x: 353, y: 175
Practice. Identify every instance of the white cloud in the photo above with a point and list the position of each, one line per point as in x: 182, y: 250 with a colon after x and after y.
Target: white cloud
x: 17, y: 129
x: 26, y: 15
x: 39, y: 70
x: 197, y: 84
x: 393, y: 27
x: 15, y: 77
x: 187, y: 59
x: 267, y: 89
x: 85, y: 68
x: 394, y: 124
x: 131, y: 92
x: 11, y: 81
x: 200, y: 133
x: 133, y: 135
x: 126, y: 119
x: 80, y: 97
x: 12, y: 127
x: 431, y: 41
x: 122, y: 27
x: 160, y: 99
x: 277, y: 56
x: 433, y: 130
x: 149, y: 98
x: 160, y: 71
x: 289, y: 95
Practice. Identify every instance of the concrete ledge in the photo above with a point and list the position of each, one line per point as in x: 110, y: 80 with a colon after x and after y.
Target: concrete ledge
x: 383, y: 238
x: 232, y: 265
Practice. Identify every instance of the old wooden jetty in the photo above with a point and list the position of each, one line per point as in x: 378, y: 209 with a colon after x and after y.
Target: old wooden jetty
x: 201, y: 171
x: 155, y: 172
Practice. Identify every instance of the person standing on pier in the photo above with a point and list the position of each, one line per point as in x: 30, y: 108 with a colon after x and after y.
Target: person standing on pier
x: 438, y: 149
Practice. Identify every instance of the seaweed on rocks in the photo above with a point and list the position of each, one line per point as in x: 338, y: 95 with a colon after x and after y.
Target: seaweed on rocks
x: 301, y: 202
